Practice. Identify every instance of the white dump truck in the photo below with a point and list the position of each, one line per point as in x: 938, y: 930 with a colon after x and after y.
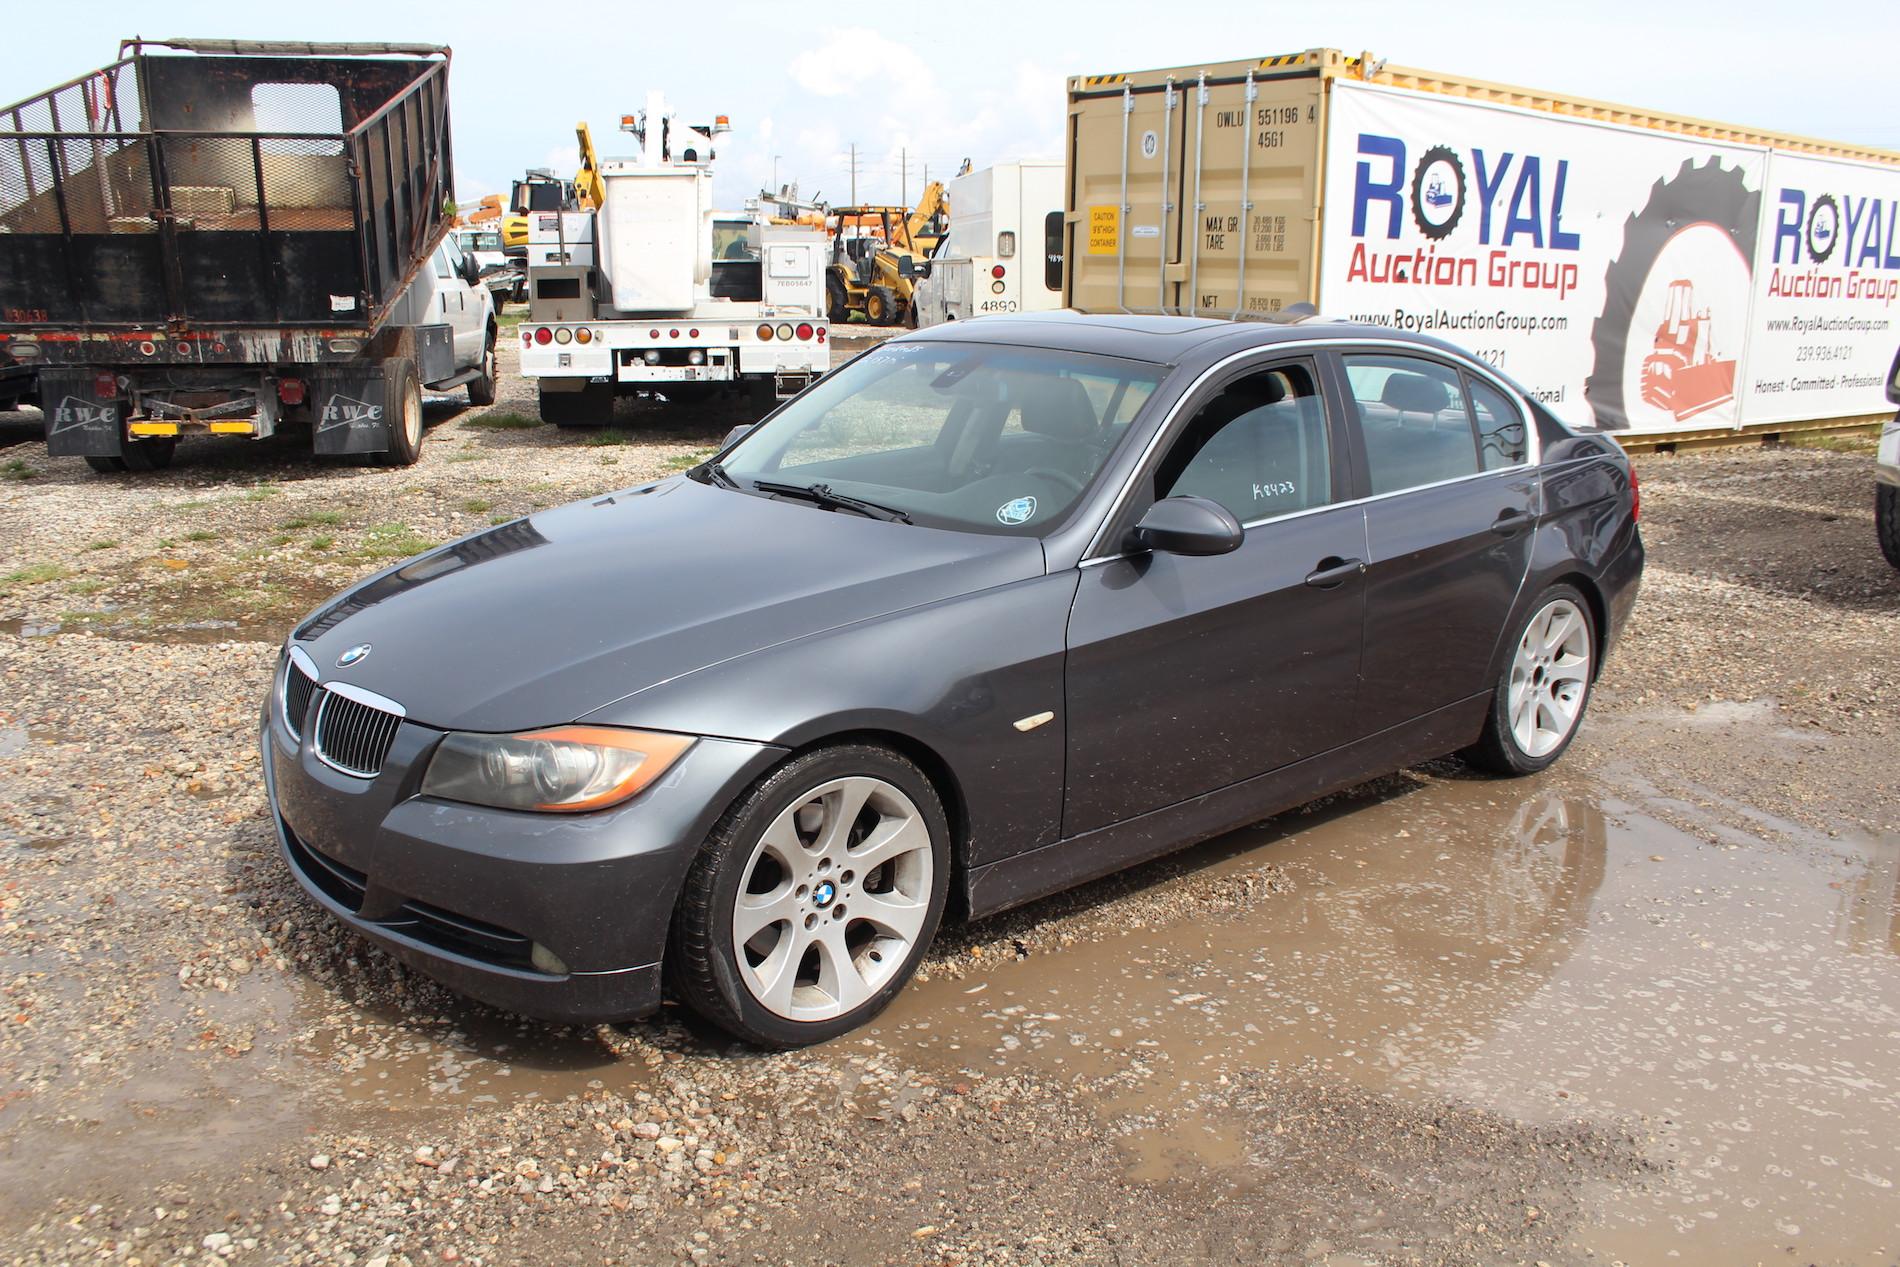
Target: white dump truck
x: 632, y: 297
x: 1005, y: 247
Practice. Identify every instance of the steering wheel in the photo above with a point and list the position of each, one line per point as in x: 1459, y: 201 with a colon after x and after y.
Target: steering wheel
x: 1063, y: 478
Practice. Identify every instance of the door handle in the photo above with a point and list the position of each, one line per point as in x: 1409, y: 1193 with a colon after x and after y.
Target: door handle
x: 1510, y: 521
x: 1334, y: 572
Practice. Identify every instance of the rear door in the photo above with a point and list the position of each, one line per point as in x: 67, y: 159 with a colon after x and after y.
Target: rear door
x: 1186, y: 675
x: 1444, y: 461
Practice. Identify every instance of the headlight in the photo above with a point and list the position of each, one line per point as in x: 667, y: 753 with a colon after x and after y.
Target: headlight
x: 565, y: 770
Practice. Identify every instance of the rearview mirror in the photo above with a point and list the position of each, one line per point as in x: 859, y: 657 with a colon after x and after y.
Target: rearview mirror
x: 1188, y: 525
x: 735, y: 435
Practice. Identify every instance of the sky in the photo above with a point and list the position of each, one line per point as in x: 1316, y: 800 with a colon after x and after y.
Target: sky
x: 919, y: 88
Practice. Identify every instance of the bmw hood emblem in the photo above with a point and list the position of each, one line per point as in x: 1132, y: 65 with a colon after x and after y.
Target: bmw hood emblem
x: 355, y: 655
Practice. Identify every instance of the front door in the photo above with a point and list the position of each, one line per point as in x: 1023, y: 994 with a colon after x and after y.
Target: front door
x: 1448, y: 524
x: 1186, y: 675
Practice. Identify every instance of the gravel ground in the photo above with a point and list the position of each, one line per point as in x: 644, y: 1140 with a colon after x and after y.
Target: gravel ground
x: 195, y: 1067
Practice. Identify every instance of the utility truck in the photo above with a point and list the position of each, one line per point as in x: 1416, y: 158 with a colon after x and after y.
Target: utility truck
x: 628, y: 297
x: 226, y: 237
x: 1005, y: 248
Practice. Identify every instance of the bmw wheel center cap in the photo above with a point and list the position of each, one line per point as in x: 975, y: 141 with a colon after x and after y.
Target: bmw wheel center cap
x: 822, y: 895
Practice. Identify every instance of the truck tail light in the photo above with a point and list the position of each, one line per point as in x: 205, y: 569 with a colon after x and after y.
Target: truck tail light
x: 821, y: 334
x: 105, y: 386
x: 804, y: 332
x: 785, y: 330
x: 544, y: 335
x: 564, y: 336
x: 583, y: 335
x: 764, y: 333
x: 290, y: 391
x: 998, y: 271
x: 673, y: 334
x: 692, y: 334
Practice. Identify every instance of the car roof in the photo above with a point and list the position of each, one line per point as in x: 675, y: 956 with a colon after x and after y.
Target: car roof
x: 1161, y: 340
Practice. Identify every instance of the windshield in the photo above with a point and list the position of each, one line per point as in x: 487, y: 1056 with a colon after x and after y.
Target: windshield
x: 954, y: 435
x: 480, y: 241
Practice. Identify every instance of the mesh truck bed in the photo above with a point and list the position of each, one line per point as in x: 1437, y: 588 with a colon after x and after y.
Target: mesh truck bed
x: 221, y: 185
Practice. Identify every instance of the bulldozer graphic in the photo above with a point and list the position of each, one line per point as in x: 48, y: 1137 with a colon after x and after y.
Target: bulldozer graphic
x: 1682, y: 373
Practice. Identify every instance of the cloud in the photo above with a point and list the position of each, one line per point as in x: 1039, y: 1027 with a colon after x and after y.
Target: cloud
x: 854, y: 59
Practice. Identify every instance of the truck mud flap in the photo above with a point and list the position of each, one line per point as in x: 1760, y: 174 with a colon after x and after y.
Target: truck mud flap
x: 352, y: 411
x: 85, y: 414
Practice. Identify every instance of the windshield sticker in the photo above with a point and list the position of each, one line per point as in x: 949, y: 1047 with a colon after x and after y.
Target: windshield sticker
x: 1016, y: 512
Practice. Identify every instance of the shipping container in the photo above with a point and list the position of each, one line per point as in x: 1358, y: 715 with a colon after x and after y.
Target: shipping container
x: 1644, y: 272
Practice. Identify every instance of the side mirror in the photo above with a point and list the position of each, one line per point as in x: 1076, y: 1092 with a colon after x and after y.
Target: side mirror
x: 735, y: 435
x: 1188, y: 525
x: 906, y: 267
x: 471, y: 271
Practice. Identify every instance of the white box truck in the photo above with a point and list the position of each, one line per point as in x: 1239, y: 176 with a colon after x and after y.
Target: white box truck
x: 1671, y: 279
x: 1004, y: 253
x: 629, y: 297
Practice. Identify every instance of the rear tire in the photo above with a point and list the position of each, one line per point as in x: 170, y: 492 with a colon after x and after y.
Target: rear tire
x: 481, y: 391
x: 837, y: 302
x: 402, y: 392
x: 149, y: 455
x: 592, y: 406
x: 1544, y: 690
x: 1887, y: 521
x: 106, y: 466
x: 839, y: 863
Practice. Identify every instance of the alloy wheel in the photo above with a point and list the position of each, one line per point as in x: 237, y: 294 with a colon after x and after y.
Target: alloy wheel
x: 1550, y: 676
x: 833, y: 899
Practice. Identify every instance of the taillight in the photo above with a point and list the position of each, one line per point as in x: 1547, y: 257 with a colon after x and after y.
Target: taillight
x: 804, y: 330
x: 583, y: 335
x: 656, y: 334
x: 764, y: 333
x: 673, y: 334
x: 544, y: 335
x: 105, y: 386
x: 563, y: 336
x: 997, y: 271
x: 785, y: 330
x: 1636, y: 495
x: 692, y: 334
x: 290, y: 390
x: 821, y: 334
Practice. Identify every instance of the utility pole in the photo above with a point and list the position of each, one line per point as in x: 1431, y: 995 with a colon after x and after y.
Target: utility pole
x: 854, y: 173
x: 903, y: 163
x: 775, y: 159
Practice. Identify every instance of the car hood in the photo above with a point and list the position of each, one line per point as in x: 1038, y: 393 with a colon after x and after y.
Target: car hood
x: 543, y: 620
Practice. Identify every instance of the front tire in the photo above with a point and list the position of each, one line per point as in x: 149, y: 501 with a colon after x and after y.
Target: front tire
x: 481, y: 391
x: 1544, y: 689
x: 814, y: 898
x: 1887, y: 521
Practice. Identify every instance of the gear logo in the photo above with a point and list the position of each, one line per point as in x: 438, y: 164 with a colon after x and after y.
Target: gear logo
x: 1438, y: 192
x: 1824, y: 228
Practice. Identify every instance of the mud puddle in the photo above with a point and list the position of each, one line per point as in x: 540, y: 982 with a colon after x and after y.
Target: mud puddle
x: 1542, y: 950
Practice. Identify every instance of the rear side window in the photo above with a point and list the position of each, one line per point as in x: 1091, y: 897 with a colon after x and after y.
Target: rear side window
x: 1258, y: 447
x: 1502, y: 439
x: 1413, y: 418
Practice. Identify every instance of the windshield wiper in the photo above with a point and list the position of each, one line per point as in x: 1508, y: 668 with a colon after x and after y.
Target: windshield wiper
x: 821, y: 495
x: 717, y: 474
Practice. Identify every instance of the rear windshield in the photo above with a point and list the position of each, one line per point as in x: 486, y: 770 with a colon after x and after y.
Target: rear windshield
x: 971, y: 436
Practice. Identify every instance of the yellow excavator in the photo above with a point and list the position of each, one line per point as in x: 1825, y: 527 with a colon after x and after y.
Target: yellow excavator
x: 542, y: 190
x: 879, y: 253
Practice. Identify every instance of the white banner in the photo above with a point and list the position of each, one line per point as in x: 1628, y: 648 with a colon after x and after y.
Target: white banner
x: 1827, y: 291
x: 1606, y: 269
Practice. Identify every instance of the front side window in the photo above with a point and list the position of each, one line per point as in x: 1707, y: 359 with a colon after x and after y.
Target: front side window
x: 977, y: 437
x: 1258, y: 447
x: 1412, y: 415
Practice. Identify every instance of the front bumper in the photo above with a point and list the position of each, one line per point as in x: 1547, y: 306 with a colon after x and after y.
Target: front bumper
x: 464, y: 893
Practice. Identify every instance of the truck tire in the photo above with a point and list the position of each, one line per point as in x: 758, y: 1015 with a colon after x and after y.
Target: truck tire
x: 402, y: 391
x: 592, y: 406
x: 139, y: 455
x: 1887, y: 521
x: 880, y: 306
x: 837, y: 303
x: 481, y: 391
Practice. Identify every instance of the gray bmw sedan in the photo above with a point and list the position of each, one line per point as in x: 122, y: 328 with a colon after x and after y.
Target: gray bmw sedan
x: 993, y: 609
